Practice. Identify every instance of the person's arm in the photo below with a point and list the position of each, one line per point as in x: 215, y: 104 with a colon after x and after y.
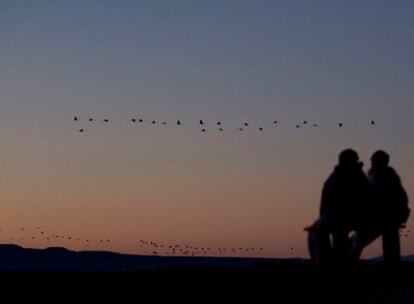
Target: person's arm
x: 326, y: 199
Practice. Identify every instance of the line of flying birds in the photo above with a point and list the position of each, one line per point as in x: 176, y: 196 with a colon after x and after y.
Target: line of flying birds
x: 42, y: 234
x: 154, y: 248
x: 151, y: 247
x: 147, y: 247
x: 202, y: 123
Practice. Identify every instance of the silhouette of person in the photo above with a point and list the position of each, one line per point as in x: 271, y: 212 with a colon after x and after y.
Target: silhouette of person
x: 344, y: 203
x: 389, y: 211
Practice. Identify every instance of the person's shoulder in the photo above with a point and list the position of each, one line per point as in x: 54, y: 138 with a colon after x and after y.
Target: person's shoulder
x: 391, y: 171
x: 392, y: 174
x: 331, y: 178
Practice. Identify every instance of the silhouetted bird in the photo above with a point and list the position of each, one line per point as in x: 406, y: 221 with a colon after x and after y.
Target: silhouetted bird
x: 201, y: 122
x: 75, y: 118
x: 203, y: 130
x: 246, y: 124
x: 178, y: 122
x: 81, y: 130
x: 297, y: 126
x: 340, y: 124
x: 218, y: 123
x: 153, y: 122
x: 220, y: 129
x: 91, y: 119
x: 260, y: 129
x: 305, y: 122
x: 141, y: 120
x: 275, y: 121
x: 133, y: 120
x: 106, y: 120
x: 315, y: 125
x: 373, y: 122
x: 164, y: 123
x: 240, y: 129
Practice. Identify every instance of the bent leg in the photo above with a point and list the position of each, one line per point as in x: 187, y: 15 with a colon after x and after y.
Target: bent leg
x: 341, y: 248
x: 391, y: 247
x: 320, y: 249
x: 360, y: 240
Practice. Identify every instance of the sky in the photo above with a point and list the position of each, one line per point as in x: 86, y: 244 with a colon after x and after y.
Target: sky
x: 231, y: 61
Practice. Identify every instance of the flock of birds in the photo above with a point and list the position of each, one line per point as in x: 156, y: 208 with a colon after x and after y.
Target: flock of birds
x: 217, y: 125
x: 149, y: 247
x: 180, y: 249
x: 41, y: 234
x: 143, y: 246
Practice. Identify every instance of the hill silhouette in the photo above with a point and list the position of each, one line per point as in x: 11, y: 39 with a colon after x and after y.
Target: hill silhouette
x: 14, y: 258
x: 17, y: 258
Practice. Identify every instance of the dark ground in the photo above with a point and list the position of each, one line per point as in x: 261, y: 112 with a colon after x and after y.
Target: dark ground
x: 261, y: 284
x: 59, y: 276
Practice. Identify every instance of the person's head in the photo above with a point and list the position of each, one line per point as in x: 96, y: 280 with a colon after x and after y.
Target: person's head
x: 380, y: 159
x: 348, y: 157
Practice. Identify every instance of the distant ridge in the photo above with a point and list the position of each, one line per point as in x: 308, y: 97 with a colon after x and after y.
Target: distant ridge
x: 17, y: 258
x: 14, y: 258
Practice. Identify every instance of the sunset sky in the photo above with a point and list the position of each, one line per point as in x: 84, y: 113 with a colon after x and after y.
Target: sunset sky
x: 231, y: 61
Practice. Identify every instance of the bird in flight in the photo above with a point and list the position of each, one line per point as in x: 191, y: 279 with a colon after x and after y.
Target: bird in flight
x: 373, y: 122
x: 133, y: 120
x: 179, y: 122
x: 91, y: 119
x: 340, y: 124
x: 106, y: 120
x: 81, y: 130
x: 261, y: 129
x: 201, y: 122
x: 75, y: 118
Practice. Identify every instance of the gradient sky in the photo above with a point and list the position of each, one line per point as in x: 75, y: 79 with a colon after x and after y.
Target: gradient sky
x: 234, y: 61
